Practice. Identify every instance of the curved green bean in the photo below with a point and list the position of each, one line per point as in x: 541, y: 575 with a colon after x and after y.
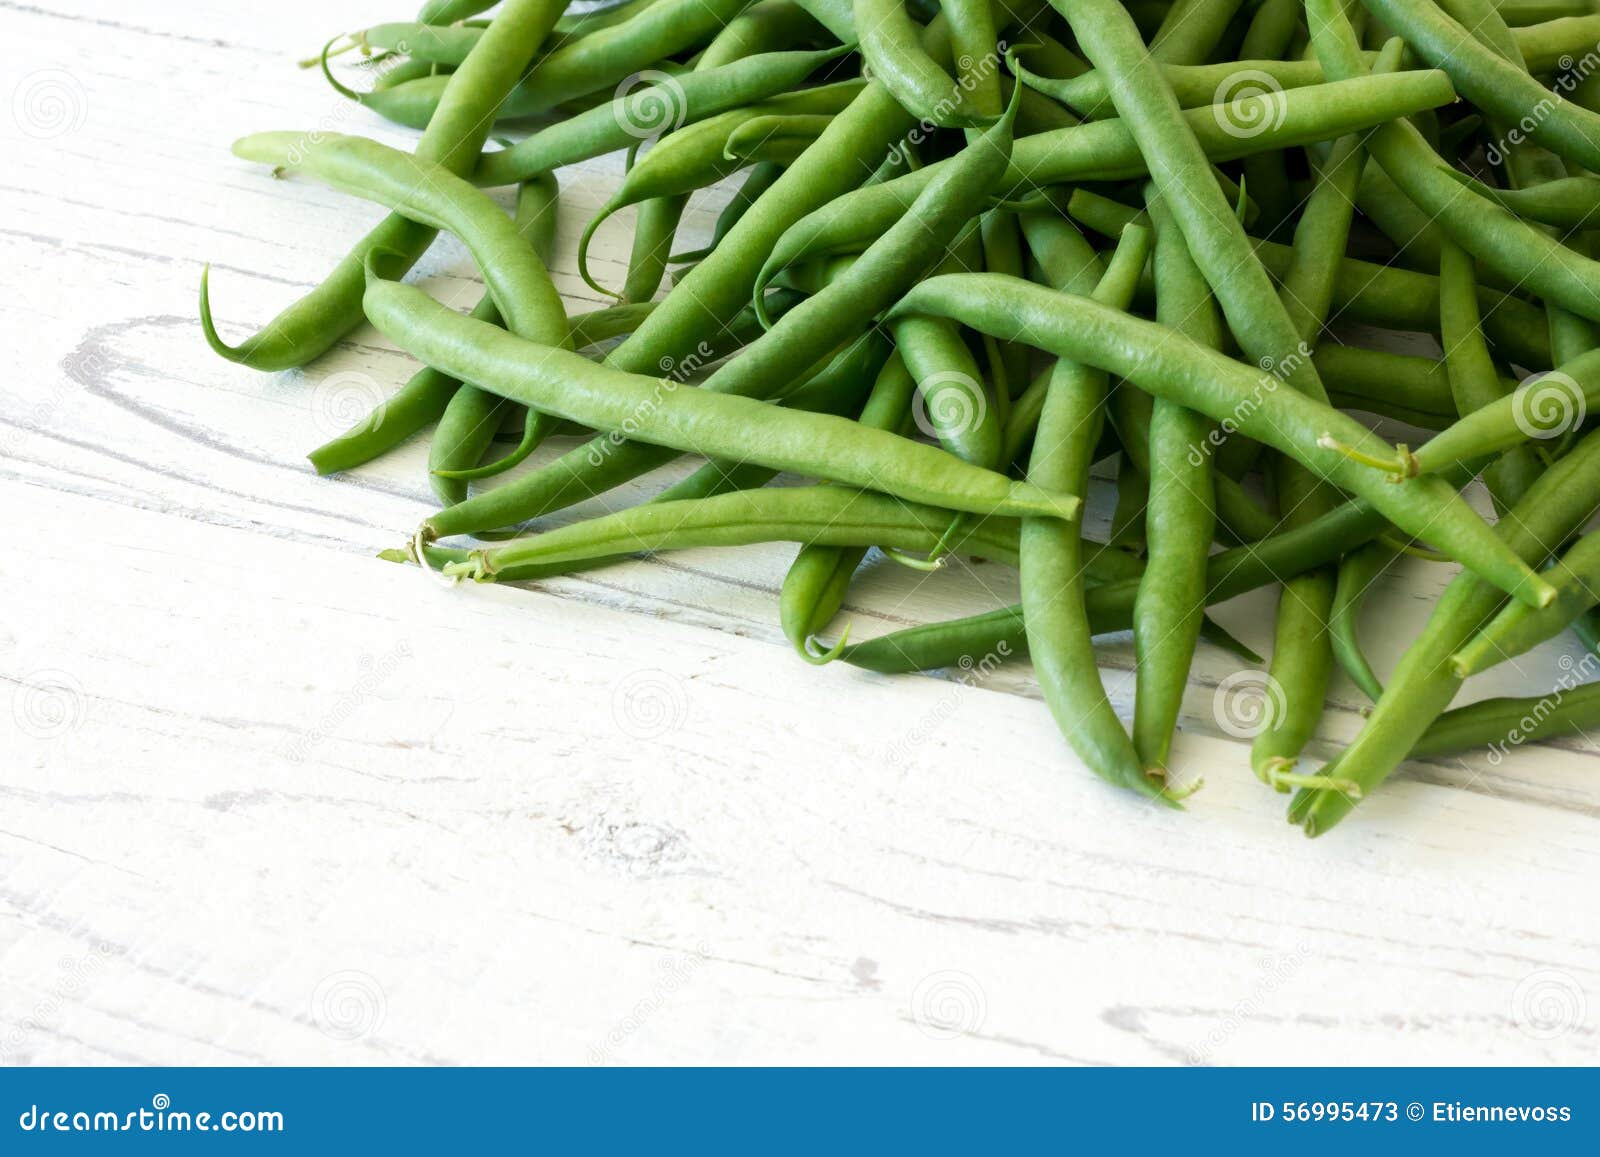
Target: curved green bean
x: 563, y: 384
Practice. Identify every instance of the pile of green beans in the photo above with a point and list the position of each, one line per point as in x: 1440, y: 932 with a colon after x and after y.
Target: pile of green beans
x: 968, y: 258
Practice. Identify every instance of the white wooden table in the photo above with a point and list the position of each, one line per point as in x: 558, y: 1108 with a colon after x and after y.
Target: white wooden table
x: 268, y: 799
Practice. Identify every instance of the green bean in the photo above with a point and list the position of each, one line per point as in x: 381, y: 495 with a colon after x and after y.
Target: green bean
x: 815, y: 584
x: 703, y: 153
x: 1474, y: 381
x: 600, y: 325
x: 809, y: 515
x: 430, y: 195
x: 1191, y: 30
x: 1169, y: 366
x: 565, y: 385
x: 437, y: 44
x: 764, y: 27
x: 1553, y: 45
x: 974, y: 46
x: 655, y: 228
x: 1180, y: 520
x: 450, y: 11
x: 1493, y: 83
x: 759, y: 179
x: 1525, y: 12
x: 453, y: 139
x: 1500, y: 724
x: 610, y: 55
x: 1570, y: 203
x: 1358, y: 571
x: 1052, y: 565
x: 769, y: 139
x: 1407, y: 388
x: 1371, y: 294
x: 637, y: 113
x: 1424, y: 683
x: 893, y: 47
x: 1106, y: 150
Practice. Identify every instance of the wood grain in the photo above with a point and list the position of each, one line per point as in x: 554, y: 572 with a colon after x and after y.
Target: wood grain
x: 270, y: 800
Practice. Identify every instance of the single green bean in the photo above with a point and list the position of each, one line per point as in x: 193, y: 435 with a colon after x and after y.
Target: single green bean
x: 553, y: 380
x: 1180, y: 520
x: 809, y: 515
x: 1191, y: 30
x: 1501, y: 724
x: 1358, y: 571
